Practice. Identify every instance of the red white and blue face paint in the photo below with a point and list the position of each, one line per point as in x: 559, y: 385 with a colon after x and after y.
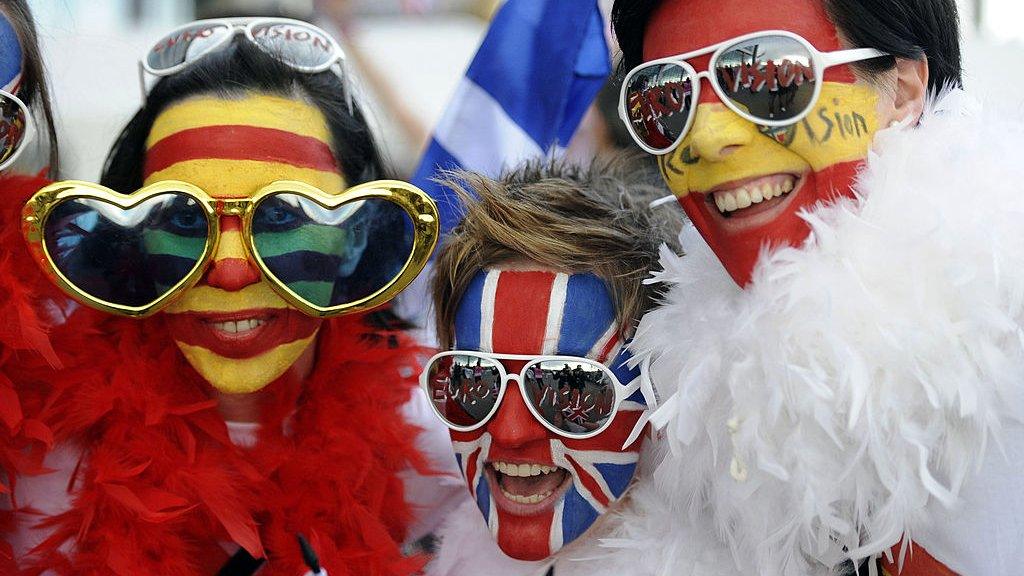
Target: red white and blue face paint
x: 11, y: 56
x: 539, y: 491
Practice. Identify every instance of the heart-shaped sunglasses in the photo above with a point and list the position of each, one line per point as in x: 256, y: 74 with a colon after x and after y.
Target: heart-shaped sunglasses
x: 325, y: 254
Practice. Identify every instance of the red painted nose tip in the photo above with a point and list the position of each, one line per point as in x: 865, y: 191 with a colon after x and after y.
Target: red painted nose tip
x: 232, y: 274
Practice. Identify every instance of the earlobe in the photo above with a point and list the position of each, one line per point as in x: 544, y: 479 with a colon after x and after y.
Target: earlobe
x: 911, y: 89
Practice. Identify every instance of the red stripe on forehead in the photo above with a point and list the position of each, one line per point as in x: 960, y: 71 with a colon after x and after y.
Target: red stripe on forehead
x: 240, y: 143
x: 521, y: 303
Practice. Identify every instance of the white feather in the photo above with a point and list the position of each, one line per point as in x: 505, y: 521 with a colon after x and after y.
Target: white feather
x: 869, y: 370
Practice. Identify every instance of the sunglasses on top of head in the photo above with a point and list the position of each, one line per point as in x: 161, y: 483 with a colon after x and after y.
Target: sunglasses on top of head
x: 770, y: 78
x: 297, y: 44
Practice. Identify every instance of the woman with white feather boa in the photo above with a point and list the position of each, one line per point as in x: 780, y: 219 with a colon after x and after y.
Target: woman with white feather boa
x: 842, y: 364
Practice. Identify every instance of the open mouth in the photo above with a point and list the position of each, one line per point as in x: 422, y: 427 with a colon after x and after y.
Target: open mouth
x: 524, y: 488
x: 752, y: 197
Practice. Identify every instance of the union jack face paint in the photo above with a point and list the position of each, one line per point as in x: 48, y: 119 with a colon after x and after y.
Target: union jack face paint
x: 11, y: 56
x: 539, y: 491
x: 744, y: 186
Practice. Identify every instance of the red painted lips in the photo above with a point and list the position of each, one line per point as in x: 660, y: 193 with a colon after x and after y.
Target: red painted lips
x: 241, y: 334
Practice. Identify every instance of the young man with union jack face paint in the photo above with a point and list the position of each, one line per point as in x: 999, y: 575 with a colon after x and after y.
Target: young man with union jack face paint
x: 543, y: 279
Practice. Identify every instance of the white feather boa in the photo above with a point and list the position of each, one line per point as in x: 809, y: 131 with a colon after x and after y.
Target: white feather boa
x: 857, y: 382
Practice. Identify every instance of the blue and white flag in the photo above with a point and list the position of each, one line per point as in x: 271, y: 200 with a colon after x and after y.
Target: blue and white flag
x: 533, y: 78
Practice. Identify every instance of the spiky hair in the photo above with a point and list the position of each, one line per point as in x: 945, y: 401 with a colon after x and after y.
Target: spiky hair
x: 561, y: 216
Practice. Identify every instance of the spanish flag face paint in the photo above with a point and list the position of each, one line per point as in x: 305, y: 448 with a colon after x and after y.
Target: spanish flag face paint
x: 742, y: 185
x: 232, y: 327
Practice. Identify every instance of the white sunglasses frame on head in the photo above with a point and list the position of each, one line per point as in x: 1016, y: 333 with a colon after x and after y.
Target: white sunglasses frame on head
x: 245, y: 26
x: 622, y: 391
x: 820, y: 61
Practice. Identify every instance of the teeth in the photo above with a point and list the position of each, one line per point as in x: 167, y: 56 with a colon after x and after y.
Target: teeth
x: 234, y: 327
x: 531, y: 499
x: 758, y: 195
x: 743, y: 198
x: 740, y: 198
x: 523, y: 470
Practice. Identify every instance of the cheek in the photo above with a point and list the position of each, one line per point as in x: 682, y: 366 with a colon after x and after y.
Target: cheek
x: 839, y: 129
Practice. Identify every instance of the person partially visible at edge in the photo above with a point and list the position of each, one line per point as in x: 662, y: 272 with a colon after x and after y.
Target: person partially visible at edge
x: 212, y: 434
x: 839, y: 351
x: 549, y: 260
x: 22, y: 74
x: 24, y: 291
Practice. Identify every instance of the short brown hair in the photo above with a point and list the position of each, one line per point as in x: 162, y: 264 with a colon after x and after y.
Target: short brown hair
x: 562, y: 216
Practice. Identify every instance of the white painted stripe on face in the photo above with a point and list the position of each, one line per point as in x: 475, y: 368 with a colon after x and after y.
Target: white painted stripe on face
x: 603, y: 341
x: 487, y: 310
x: 556, y: 313
x: 556, y: 539
x: 482, y: 136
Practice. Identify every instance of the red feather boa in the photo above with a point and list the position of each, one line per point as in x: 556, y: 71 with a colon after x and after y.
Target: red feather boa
x: 160, y: 487
x: 24, y: 349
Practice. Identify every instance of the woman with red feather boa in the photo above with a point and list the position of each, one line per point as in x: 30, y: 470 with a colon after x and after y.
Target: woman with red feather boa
x: 205, y: 438
x: 26, y: 355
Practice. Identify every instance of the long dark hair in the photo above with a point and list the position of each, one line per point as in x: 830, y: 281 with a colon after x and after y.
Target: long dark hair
x: 242, y: 68
x: 34, y: 90
x: 909, y: 29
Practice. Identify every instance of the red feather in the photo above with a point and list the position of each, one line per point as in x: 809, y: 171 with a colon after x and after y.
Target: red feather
x: 160, y: 474
x: 27, y: 357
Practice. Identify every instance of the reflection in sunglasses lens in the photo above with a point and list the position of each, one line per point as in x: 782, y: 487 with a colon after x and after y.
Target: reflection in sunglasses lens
x: 186, y: 45
x: 658, y: 102
x: 574, y: 396
x: 297, y: 44
x: 769, y: 77
x: 128, y: 257
x: 12, y: 127
x: 332, y: 256
x: 463, y: 388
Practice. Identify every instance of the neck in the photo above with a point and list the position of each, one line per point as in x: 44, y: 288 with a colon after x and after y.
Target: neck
x: 250, y: 407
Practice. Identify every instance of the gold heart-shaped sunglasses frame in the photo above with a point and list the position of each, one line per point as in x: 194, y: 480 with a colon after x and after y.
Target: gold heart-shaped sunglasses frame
x: 416, y: 204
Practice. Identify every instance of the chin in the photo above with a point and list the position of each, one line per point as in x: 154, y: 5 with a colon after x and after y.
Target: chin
x: 244, y: 375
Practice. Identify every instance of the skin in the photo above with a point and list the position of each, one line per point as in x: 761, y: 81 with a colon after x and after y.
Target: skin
x: 514, y: 436
x: 239, y: 364
x: 723, y: 152
x: 12, y: 58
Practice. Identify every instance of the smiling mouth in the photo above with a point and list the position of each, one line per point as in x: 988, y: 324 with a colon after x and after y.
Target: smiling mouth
x: 527, y: 489
x: 241, y: 328
x: 242, y: 333
x: 754, y: 196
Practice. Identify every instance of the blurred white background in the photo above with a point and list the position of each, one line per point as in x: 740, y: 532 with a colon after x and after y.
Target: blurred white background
x: 412, y: 53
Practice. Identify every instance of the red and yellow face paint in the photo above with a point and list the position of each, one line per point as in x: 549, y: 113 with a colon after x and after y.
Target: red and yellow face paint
x: 232, y: 327
x: 725, y: 157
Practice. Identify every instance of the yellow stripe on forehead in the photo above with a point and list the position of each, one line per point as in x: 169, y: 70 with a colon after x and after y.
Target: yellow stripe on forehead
x: 241, y: 178
x: 232, y: 148
x: 260, y: 110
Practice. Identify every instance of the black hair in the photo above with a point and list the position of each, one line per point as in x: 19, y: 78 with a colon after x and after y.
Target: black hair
x: 34, y: 90
x: 910, y: 29
x: 234, y: 71
x: 242, y: 68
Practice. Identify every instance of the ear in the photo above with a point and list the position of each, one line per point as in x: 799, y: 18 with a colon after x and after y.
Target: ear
x: 911, y: 89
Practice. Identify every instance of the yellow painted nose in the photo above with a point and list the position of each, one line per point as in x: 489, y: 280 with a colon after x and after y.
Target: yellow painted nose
x: 718, y: 132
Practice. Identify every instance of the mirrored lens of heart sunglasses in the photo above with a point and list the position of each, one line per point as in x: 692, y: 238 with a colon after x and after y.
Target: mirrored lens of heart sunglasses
x: 134, y: 257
